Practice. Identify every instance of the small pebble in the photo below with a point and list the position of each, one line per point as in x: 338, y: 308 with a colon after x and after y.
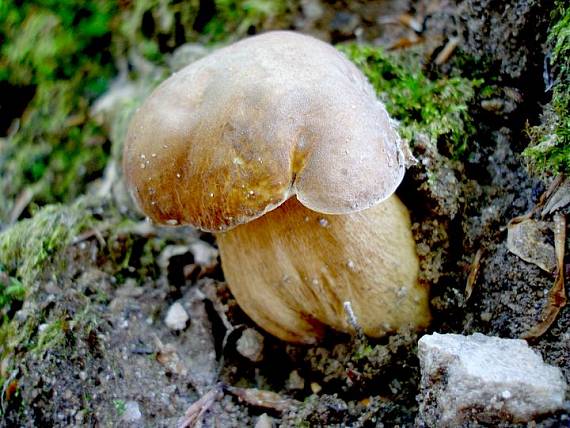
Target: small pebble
x: 295, y: 381
x: 176, y: 317
x: 264, y: 421
x: 250, y: 345
x: 132, y: 412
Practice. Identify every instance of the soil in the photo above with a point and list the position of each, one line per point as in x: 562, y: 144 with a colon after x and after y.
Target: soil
x: 114, y: 361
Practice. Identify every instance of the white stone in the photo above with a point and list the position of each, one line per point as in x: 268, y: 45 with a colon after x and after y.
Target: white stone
x: 204, y: 254
x: 484, y: 379
x: 132, y: 412
x: 176, y: 317
x: 250, y: 345
x: 264, y: 421
x: 295, y: 381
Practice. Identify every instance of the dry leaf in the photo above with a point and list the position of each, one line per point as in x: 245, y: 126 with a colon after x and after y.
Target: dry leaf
x: 557, y: 294
x: 526, y: 240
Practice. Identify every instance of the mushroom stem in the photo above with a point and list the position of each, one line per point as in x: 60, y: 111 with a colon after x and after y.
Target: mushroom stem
x: 292, y: 269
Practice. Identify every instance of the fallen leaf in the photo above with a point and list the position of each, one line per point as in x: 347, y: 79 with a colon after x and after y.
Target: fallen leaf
x: 557, y: 294
x: 526, y: 239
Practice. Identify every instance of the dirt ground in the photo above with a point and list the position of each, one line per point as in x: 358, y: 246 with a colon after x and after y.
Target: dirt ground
x: 102, y: 355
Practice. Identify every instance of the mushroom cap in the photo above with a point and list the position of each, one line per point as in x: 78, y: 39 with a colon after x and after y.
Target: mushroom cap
x: 237, y: 133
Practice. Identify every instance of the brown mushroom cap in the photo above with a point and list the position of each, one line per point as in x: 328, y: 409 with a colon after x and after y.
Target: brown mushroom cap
x: 237, y: 133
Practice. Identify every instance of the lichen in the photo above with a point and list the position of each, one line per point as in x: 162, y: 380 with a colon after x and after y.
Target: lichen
x: 549, y: 149
x: 437, y: 108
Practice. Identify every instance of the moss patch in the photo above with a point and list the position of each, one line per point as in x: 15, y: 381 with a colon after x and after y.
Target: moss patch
x: 549, y: 150
x: 51, y: 335
x: 246, y: 17
x: 11, y: 290
x: 56, y: 58
x: 59, y: 53
x: 437, y: 108
x: 28, y: 247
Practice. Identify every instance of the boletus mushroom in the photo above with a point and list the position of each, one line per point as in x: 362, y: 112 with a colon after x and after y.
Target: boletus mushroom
x: 278, y: 145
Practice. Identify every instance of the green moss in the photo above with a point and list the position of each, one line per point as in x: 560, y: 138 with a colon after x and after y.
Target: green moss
x: 28, y: 247
x: 16, y: 335
x: 47, y: 39
x: 120, y: 407
x: 63, y: 55
x: 56, y: 151
x: 51, y: 336
x: 239, y: 17
x: 59, y: 50
x: 437, y: 108
x: 362, y: 351
x: 154, y: 27
x: 549, y: 150
x: 10, y: 290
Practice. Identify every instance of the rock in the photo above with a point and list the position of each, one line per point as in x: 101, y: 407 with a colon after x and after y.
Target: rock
x: 186, y: 54
x: 264, y: 421
x: 295, y: 381
x: 173, y: 258
x: 312, y: 10
x: 169, y: 358
x: 132, y: 412
x: 204, y: 254
x: 130, y: 289
x: 345, y: 23
x: 176, y: 317
x: 485, y: 379
x: 250, y: 345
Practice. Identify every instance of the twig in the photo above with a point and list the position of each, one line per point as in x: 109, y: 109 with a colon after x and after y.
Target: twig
x: 543, y: 198
x: 473, y: 274
x: 444, y: 55
x: 264, y: 399
x: 194, y: 414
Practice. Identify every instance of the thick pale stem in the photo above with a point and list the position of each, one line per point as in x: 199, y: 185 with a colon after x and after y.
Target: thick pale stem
x: 292, y: 270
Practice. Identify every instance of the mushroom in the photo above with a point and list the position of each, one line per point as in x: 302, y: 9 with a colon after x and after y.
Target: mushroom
x: 278, y: 145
